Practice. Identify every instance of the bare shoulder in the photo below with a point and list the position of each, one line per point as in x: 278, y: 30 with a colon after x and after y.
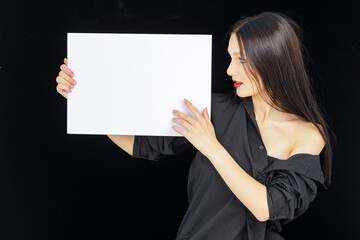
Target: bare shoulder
x: 308, y: 139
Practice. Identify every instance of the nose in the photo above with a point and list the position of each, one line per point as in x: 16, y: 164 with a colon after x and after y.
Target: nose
x: 231, y: 70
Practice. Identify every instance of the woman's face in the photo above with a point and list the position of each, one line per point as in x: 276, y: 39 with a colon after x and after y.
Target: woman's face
x: 236, y: 70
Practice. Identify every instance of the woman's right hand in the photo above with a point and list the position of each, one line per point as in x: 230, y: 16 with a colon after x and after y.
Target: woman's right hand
x: 65, y: 80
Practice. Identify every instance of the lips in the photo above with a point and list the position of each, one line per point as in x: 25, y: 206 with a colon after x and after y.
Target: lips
x: 237, y: 81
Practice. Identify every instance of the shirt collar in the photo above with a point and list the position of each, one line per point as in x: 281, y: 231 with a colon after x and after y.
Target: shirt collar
x: 248, y: 104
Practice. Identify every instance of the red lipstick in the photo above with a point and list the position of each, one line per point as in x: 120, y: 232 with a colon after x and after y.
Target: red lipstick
x: 237, y: 84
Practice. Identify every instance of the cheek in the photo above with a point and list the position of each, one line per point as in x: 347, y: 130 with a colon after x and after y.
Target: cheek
x: 249, y: 87
x: 245, y: 71
x: 244, y: 75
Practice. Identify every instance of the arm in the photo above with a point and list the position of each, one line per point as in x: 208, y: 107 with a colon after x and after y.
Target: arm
x: 249, y: 191
x: 201, y: 133
x: 125, y: 142
x: 258, y: 198
x: 254, y: 195
x: 150, y: 147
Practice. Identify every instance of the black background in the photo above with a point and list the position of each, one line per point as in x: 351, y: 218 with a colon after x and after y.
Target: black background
x: 59, y: 186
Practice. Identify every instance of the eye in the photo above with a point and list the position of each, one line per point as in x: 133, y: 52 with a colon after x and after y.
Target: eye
x: 242, y: 60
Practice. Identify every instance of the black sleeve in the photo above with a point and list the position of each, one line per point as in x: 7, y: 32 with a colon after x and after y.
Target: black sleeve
x: 292, y: 185
x: 156, y: 147
x: 289, y: 194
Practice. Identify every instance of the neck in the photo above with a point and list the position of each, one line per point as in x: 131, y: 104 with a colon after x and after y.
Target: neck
x: 264, y: 113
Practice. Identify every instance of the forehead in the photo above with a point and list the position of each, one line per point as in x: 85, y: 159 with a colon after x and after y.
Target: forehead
x: 233, y: 46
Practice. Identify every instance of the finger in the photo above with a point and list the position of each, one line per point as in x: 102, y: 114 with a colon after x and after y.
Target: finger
x: 193, y: 109
x: 64, y: 87
x: 62, y: 92
x: 60, y: 80
x: 183, y: 123
x: 184, y: 116
x: 206, y: 114
x: 207, y: 118
x: 65, y: 61
x: 67, y: 77
x: 67, y: 70
x: 180, y: 130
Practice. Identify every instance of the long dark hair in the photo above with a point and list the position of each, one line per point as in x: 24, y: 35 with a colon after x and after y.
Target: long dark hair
x: 272, y: 44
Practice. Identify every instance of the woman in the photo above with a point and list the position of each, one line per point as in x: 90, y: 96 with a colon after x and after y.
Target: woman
x: 258, y: 163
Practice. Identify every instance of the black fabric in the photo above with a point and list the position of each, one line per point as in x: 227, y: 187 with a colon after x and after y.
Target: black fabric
x: 214, y: 212
x: 289, y: 192
x: 155, y: 147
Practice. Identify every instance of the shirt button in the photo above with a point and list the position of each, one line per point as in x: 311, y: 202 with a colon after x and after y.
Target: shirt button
x: 261, y: 147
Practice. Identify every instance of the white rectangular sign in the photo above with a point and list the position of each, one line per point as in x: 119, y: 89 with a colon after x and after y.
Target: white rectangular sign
x: 128, y: 84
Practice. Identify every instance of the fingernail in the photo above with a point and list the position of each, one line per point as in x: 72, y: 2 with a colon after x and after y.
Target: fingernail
x: 185, y: 100
x: 74, y: 82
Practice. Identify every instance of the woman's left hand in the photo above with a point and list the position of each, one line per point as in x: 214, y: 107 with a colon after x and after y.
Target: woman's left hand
x: 200, y: 131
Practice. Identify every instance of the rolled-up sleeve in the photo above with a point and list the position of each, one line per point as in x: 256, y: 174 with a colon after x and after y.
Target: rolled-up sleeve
x: 157, y: 147
x: 289, y: 194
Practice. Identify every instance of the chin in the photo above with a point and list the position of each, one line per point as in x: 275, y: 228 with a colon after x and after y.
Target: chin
x: 242, y: 94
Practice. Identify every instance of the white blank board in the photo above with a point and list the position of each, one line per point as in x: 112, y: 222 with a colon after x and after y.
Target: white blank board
x: 128, y: 84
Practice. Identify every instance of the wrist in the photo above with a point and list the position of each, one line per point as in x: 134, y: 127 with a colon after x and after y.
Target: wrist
x: 215, y: 151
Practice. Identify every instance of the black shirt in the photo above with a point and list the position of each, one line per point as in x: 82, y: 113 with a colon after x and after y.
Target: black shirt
x: 214, y: 212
